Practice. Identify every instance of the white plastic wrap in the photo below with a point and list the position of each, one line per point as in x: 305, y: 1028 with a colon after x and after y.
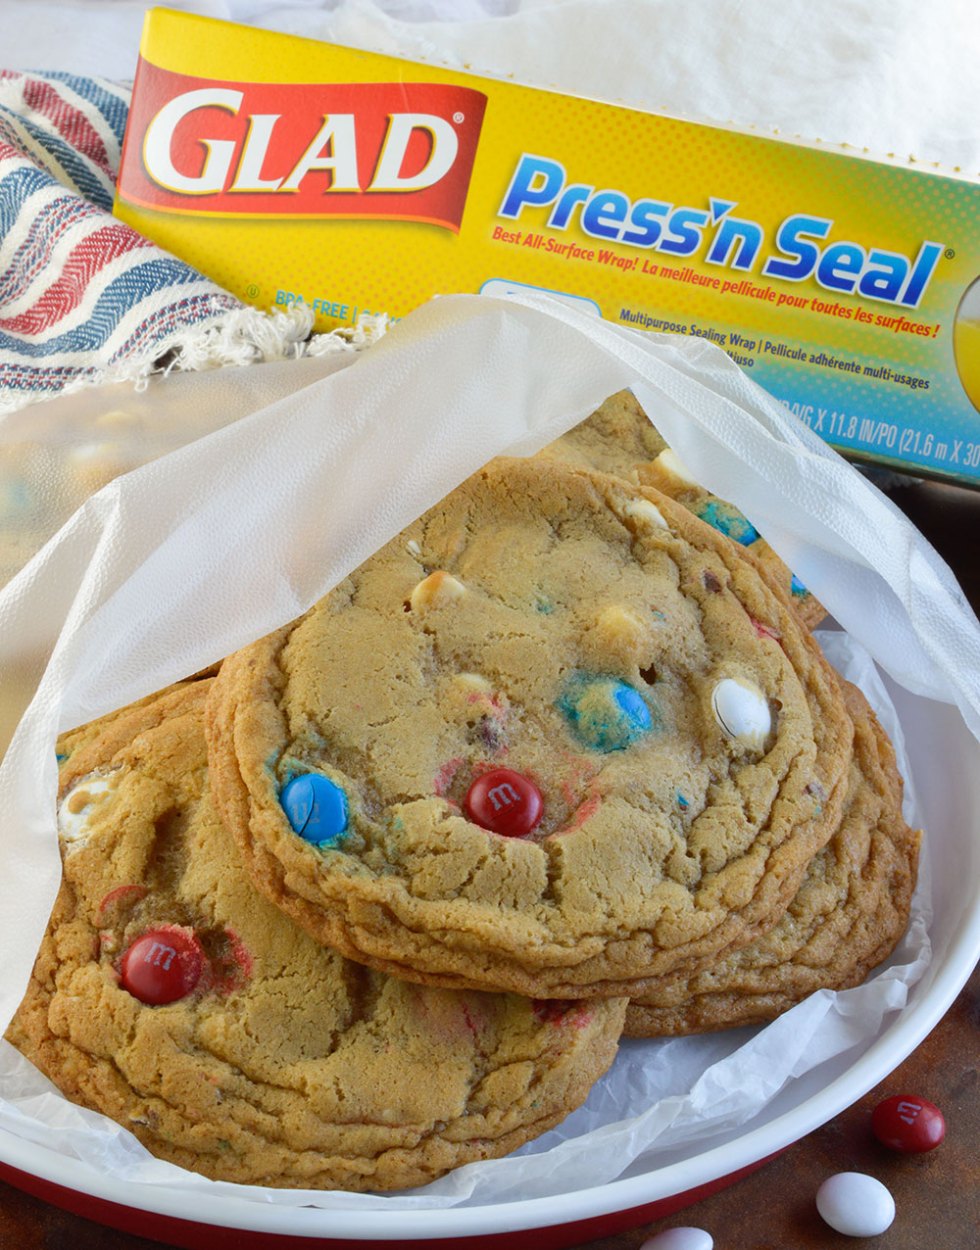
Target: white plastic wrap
x: 182, y: 561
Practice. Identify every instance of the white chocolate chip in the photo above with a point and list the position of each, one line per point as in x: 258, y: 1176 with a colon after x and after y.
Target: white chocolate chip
x: 436, y: 590
x: 471, y: 683
x: 647, y: 513
x: 116, y: 418
x: 92, y: 465
x: 672, y: 466
x: 742, y: 711
x: 78, y: 806
x: 618, y: 626
x: 413, y: 549
x: 87, y: 453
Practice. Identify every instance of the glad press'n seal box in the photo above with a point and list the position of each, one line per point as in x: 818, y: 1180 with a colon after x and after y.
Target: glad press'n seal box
x: 293, y: 171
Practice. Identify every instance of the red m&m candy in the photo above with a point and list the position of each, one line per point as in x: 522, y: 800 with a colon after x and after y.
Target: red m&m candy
x: 504, y: 802
x: 163, y: 965
x: 909, y: 1124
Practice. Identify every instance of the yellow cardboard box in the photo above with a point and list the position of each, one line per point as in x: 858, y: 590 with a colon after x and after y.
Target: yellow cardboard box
x: 291, y: 170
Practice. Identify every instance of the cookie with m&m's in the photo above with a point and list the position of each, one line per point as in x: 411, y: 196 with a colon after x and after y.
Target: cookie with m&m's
x: 846, y: 918
x: 618, y: 438
x: 675, y: 744
x: 172, y: 997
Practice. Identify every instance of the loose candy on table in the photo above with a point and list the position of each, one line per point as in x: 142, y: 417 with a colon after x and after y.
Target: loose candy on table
x: 505, y: 802
x: 855, y: 1204
x: 162, y: 965
x: 909, y: 1124
x: 315, y: 807
x: 681, y: 1238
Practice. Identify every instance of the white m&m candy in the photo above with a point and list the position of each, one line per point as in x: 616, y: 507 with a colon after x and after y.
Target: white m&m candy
x: 742, y: 711
x: 855, y: 1204
x: 680, y: 1239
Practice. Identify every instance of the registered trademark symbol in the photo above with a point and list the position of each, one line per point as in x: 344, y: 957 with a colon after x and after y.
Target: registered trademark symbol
x: 251, y: 290
x: 950, y: 253
x: 458, y: 118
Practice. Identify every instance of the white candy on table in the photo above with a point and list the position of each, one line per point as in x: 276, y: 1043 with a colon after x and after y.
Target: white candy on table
x: 680, y: 1239
x: 855, y: 1204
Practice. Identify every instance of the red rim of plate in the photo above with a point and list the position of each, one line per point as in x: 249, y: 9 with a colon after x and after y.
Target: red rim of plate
x: 442, y: 1224
x: 940, y: 985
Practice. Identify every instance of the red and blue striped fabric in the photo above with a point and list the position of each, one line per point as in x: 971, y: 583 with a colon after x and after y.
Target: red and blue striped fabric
x: 83, y: 297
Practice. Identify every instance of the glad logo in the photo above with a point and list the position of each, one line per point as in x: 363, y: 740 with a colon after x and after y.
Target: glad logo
x: 401, y: 150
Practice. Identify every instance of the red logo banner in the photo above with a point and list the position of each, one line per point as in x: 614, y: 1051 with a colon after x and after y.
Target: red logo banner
x: 381, y: 150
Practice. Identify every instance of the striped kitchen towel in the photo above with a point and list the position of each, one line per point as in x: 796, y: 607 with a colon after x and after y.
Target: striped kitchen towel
x: 83, y: 297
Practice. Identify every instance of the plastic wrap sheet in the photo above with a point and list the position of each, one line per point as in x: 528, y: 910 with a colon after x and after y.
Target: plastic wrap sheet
x: 180, y: 562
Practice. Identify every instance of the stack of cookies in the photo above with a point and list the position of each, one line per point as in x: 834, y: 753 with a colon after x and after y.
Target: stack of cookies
x: 380, y: 897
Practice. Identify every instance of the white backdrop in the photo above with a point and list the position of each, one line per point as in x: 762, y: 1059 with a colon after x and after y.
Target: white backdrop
x: 889, y: 75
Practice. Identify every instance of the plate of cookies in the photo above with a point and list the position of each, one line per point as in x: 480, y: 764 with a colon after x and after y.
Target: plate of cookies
x: 517, y: 859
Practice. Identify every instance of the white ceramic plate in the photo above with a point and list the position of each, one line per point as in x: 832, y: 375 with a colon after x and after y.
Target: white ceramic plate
x: 946, y: 771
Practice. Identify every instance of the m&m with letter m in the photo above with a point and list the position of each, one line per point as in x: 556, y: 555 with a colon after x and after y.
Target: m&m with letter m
x: 163, y: 965
x: 504, y: 802
x: 908, y: 1124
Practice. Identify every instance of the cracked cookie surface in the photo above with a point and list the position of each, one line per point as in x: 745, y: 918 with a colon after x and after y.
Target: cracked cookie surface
x: 261, y: 1056
x: 849, y: 913
x: 618, y: 438
x: 687, y: 740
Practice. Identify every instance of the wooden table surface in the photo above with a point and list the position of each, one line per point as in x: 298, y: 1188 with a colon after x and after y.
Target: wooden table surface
x: 937, y: 1195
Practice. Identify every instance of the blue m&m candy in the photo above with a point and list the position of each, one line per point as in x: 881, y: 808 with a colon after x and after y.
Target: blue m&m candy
x: 605, y: 714
x: 728, y: 520
x: 797, y: 587
x: 315, y: 807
